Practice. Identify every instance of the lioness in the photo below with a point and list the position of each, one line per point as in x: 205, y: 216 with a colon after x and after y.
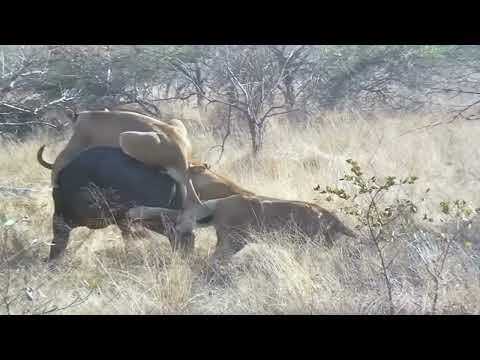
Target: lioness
x: 237, y: 214
x: 144, y: 138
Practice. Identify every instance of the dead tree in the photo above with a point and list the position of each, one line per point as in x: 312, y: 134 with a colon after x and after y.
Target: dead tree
x: 297, y: 72
x: 252, y: 79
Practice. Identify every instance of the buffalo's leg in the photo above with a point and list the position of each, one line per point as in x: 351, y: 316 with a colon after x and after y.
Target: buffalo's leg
x: 61, y: 234
x: 127, y: 236
x: 183, y: 243
x: 330, y: 235
x: 125, y: 232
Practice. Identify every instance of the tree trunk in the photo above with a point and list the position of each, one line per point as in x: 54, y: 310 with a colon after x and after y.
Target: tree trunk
x: 256, y: 136
x: 289, y: 98
x: 201, y: 90
x: 3, y: 64
x: 167, y: 88
x: 289, y: 93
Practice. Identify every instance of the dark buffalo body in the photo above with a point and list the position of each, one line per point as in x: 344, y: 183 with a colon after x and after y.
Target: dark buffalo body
x: 102, y: 183
x: 97, y: 188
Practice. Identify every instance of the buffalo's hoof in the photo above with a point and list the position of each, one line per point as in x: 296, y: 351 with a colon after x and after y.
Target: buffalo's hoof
x: 52, y: 266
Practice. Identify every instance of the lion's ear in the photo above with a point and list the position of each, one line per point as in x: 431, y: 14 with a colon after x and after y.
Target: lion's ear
x: 72, y: 114
x: 207, y: 166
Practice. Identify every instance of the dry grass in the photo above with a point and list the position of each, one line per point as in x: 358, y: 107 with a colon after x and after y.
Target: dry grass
x: 275, y: 275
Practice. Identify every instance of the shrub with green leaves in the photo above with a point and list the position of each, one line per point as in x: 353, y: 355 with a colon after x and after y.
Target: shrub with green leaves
x: 377, y: 214
x: 383, y: 220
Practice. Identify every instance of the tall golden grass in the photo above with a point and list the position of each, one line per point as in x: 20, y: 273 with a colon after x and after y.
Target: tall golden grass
x: 276, y: 274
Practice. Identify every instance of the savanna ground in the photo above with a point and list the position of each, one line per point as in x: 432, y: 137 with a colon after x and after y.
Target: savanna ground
x: 275, y: 275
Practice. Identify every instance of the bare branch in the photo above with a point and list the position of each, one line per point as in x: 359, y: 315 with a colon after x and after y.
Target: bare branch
x: 183, y: 98
x: 54, y: 102
x: 16, y: 107
x: 271, y: 109
x: 227, y: 134
x: 26, y: 123
x: 459, y: 113
x: 224, y: 103
x: 235, y: 81
x: 75, y: 302
x: 282, y: 113
x: 460, y: 91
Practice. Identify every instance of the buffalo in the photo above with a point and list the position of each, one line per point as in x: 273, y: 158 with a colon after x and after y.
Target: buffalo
x: 99, y: 186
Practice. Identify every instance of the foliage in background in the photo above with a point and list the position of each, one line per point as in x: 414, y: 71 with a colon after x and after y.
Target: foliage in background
x: 253, y: 83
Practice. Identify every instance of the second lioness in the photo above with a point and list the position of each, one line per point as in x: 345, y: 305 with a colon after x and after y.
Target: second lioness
x: 234, y: 217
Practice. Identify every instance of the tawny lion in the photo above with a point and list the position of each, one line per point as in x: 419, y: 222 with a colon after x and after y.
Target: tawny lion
x: 235, y: 215
x: 146, y: 139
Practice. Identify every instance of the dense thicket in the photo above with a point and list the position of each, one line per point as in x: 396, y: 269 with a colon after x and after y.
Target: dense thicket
x: 252, y: 84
